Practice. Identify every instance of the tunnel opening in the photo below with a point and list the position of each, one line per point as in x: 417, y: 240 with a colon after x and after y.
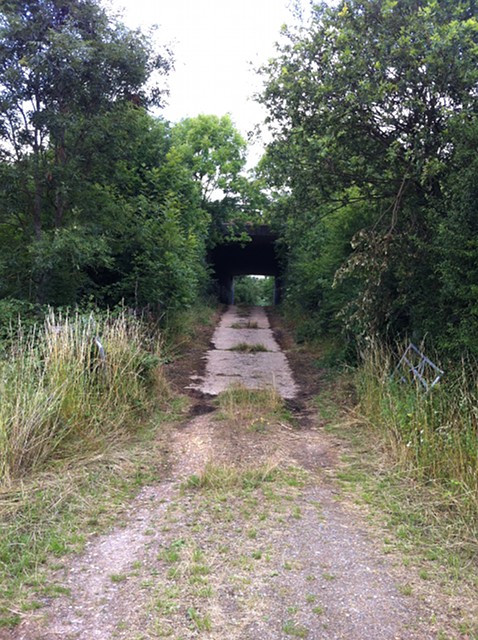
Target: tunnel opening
x: 254, y: 290
x: 254, y: 258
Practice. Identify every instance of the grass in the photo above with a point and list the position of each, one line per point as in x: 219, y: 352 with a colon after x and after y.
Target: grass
x: 223, y: 477
x: 244, y: 347
x: 259, y: 409
x: 412, y: 458
x: 223, y: 504
x: 250, y: 324
x: 51, y: 514
x: 424, y: 525
x: 295, y: 630
x: 78, y: 438
x: 432, y: 437
x: 62, y: 398
x: 409, y: 460
x: 200, y: 622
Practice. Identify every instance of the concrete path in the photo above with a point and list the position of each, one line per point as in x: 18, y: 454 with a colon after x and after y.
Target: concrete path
x: 246, y: 353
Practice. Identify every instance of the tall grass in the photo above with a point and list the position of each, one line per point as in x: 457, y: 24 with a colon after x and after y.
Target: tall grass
x: 241, y: 403
x: 58, y: 395
x: 433, y: 435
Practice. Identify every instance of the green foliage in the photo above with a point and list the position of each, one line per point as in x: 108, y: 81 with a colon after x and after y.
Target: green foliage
x: 431, y: 435
x: 16, y: 317
x: 457, y: 248
x: 99, y: 200
x: 370, y: 105
x: 214, y: 151
x: 251, y: 290
x: 95, y: 201
x: 59, y: 396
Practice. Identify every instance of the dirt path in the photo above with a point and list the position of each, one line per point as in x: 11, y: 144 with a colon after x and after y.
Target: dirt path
x: 248, y: 538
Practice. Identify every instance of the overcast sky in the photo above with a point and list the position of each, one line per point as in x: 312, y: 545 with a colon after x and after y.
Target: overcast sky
x: 216, y: 44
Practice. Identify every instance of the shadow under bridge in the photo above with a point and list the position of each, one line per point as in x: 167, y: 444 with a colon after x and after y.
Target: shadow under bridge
x: 258, y: 256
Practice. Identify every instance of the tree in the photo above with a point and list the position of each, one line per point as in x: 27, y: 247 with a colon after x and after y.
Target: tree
x: 360, y: 102
x: 215, y: 152
x: 64, y: 64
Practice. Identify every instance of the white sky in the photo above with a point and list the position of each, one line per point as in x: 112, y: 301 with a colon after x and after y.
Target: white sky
x: 216, y: 44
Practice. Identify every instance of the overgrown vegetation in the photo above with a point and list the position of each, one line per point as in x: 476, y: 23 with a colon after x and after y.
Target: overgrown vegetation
x: 372, y: 109
x: 99, y: 200
x: 432, y: 436
x: 65, y: 392
x: 80, y: 436
x: 371, y: 185
x: 252, y: 290
x: 422, y: 504
x: 52, y: 513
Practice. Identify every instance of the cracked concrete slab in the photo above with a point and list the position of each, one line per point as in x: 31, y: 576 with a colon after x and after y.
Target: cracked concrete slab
x: 226, y: 366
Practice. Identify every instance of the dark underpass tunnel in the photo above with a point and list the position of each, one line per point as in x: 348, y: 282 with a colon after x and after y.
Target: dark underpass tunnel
x: 246, y: 271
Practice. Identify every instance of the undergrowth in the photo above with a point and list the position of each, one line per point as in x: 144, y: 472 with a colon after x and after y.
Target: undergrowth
x: 76, y: 436
x: 66, y: 392
x: 432, y: 436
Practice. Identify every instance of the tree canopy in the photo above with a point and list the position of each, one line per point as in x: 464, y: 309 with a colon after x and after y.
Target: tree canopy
x: 98, y: 199
x: 366, y: 104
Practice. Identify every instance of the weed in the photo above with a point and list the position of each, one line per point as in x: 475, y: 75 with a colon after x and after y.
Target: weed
x: 327, y: 405
x: 296, y: 513
x: 245, y: 347
x: 118, y: 577
x: 258, y: 408
x: 291, y: 628
x: 405, y: 589
x: 328, y: 576
x: 200, y: 622
x: 62, y: 395
x: 249, y: 324
x: 430, y: 435
x: 220, y: 477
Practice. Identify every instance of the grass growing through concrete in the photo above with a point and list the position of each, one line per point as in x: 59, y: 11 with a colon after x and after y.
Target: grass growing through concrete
x: 257, y: 409
x: 245, y: 347
x: 249, y: 324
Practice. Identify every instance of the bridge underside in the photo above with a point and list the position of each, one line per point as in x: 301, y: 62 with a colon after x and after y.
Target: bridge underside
x: 256, y: 257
